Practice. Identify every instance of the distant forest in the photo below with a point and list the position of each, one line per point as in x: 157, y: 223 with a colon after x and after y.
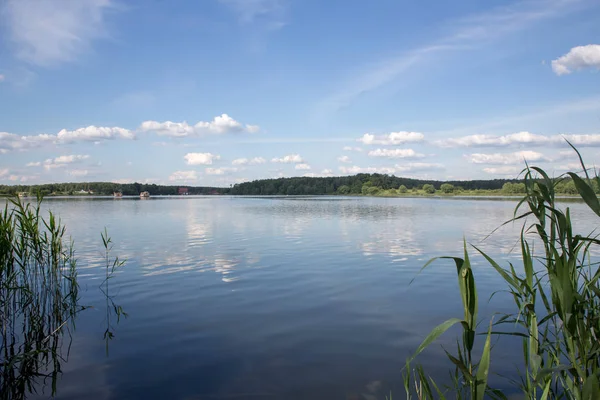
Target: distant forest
x: 107, y: 188
x: 354, y: 185
x: 366, y: 184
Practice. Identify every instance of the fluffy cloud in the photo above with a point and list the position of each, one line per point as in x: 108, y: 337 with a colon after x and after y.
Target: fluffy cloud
x: 183, y: 176
x: 93, y: 134
x: 3, y: 172
x: 251, y: 161
x: 11, y: 142
x: 395, y: 153
x: 367, y: 170
x: 302, y: 166
x: 350, y: 148
x: 78, y: 172
x: 577, y: 58
x: 344, y: 159
x: 33, y: 164
x: 393, y: 138
x: 61, y: 161
x: 49, y: 33
x: 289, y: 159
x: 22, y: 178
x: 219, y: 125
x: 504, y: 170
x: 200, y: 158
x: 219, y: 171
x: 417, y: 167
x: 507, y: 158
x: 519, y: 139
x: 398, y: 168
x: 322, y: 174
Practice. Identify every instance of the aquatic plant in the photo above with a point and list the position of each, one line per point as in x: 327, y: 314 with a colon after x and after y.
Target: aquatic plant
x: 556, y: 298
x: 39, y: 298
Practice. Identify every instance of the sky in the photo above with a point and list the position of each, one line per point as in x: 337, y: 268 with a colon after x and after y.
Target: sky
x: 217, y: 92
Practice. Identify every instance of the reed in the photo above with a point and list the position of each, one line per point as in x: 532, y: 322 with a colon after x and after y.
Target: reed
x: 556, y: 297
x: 39, y: 298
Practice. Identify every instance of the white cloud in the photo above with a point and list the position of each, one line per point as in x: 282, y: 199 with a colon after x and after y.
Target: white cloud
x: 33, y: 164
x: 393, y: 138
x: 350, y: 148
x: 504, y: 170
x: 395, y: 153
x: 519, y: 138
x: 414, y: 167
x: 575, y: 166
x: 94, y: 133
x: 302, y: 166
x: 70, y: 159
x: 289, y: 159
x: 200, y: 158
x: 62, y: 161
x: 3, y: 172
x: 219, y: 171
x: 23, y: 178
x: 577, y: 58
x: 344, y: 159
x: 10, y: 141
x: 52, y: 32
x: 183, y: 176
x: 219, y: 125
x: 324, y: 173
x: 2, y: 78
x: 78, y: 172
x: 518, y: 157
x: 251, y: 161
x: 367, y: 170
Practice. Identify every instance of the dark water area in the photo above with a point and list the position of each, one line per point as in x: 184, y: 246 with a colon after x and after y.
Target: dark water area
x: 273, y: 298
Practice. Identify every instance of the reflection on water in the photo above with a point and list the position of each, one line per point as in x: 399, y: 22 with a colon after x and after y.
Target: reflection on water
x: 268, y: 298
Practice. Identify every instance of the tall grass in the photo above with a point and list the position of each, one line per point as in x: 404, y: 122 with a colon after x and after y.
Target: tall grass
x: 556, y: 295
x: 39, y: 298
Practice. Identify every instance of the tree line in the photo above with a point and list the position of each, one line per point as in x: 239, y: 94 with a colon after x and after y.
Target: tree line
x: 361, y: 184
x: 107, y: 188
x: 356, y: 184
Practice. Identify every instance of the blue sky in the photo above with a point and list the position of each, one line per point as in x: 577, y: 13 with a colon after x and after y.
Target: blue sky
x: 215, y: 92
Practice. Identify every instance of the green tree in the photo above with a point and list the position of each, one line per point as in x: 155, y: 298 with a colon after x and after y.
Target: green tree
x: 429, y: 188
x: 447, y: 188
x: 372, y: 190
x: 344, y: 189
x: 402, y: 189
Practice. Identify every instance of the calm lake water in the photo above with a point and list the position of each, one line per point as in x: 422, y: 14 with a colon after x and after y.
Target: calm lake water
x: 269, y: 298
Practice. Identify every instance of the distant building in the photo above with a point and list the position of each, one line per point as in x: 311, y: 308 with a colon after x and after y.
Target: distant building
x: 183, y: 191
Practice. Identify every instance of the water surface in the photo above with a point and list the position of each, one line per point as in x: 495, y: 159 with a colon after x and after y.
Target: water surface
x: 268, y: 298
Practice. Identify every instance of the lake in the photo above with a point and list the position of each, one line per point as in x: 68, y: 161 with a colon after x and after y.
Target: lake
x: 268, y: 298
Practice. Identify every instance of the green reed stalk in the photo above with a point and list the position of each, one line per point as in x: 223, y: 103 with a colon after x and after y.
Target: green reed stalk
x: 39, y: 298
x: 557, y: 306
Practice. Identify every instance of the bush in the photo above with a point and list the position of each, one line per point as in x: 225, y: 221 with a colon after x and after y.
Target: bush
x: 343, y: 189
x: 447, y: 188
x: 428, y: 188
x: 372, y: 190
x: 402, y: 189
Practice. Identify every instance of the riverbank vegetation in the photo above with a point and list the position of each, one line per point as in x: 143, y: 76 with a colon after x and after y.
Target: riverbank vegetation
x: 356, y: 185
x: 556, y: 295
x: 105, y: 189
x: 39, y: 298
